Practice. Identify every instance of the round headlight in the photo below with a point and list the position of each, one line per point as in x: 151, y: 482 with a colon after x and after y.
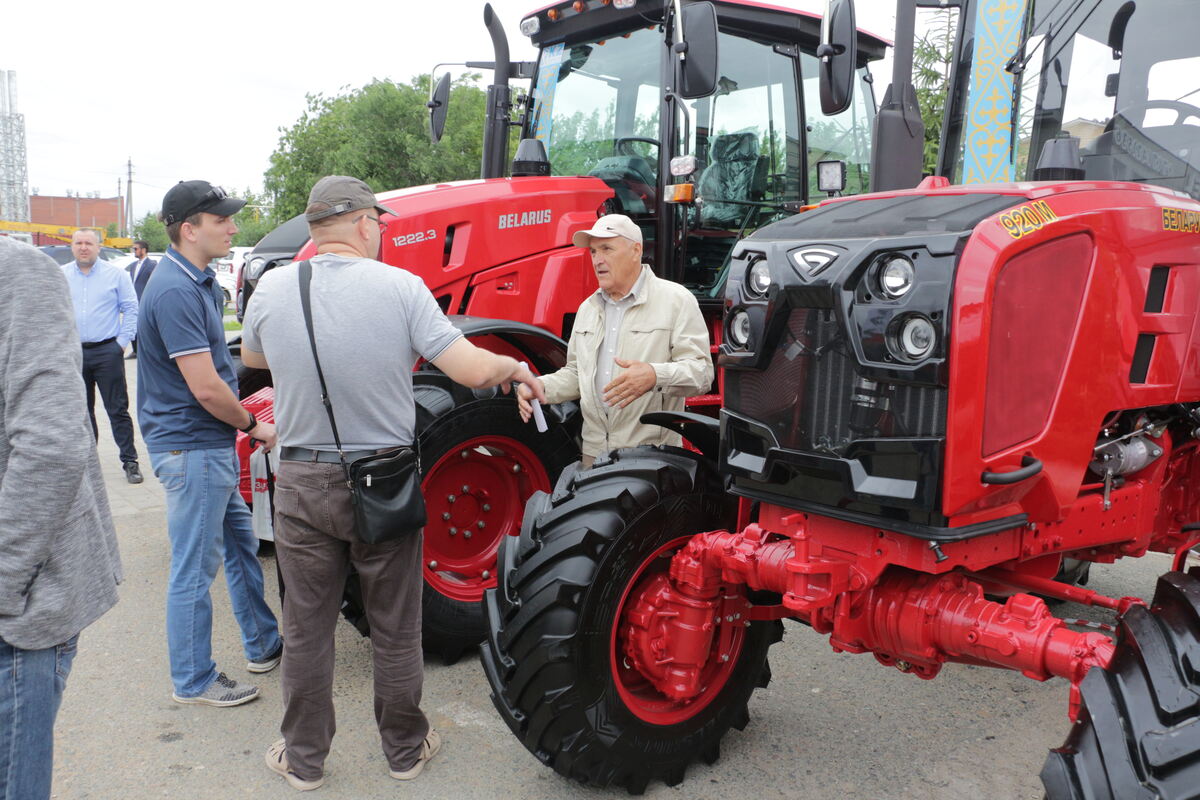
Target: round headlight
x: 897, y: 277
x: 758, y: 278
x: 917, y: 337
x: 739, y: 328
x: 255, y: 268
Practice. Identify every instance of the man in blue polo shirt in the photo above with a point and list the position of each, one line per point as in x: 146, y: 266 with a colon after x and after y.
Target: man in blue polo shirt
x: 189, y: 412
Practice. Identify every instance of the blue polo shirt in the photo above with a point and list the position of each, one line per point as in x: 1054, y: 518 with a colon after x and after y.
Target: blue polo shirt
x: 181, y: 313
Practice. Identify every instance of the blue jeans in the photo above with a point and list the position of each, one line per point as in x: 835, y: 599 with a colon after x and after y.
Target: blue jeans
x: 207, y: 518
x: 31, y: 687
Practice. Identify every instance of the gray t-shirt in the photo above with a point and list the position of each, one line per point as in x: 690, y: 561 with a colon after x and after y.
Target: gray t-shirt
x: 371, y: 321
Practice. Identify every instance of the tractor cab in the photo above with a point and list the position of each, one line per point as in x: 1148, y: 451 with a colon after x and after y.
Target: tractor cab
x: 606, y: 97
x: 1121, y: 78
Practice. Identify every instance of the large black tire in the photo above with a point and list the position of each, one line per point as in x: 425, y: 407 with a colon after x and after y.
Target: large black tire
x: 448, y: 416
x: 1138, y: 735
x: 548, y: 656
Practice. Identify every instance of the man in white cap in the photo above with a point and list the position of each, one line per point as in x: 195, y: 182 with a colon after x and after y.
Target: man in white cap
x: 639, y: 344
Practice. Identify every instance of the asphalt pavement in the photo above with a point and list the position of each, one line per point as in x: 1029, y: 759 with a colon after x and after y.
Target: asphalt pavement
x: 829, y: 726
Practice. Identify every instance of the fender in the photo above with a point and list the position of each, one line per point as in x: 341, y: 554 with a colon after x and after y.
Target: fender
x: 542, y: 350
x: 703, y: 432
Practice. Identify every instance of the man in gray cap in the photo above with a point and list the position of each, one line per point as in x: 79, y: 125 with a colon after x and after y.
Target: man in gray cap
x: 639, y: 344
x: 371, y: 323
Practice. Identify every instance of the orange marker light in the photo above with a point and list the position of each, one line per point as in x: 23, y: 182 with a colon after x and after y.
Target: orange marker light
x: 579, y: 6
x: 552, y: 14
x: 680, y: 193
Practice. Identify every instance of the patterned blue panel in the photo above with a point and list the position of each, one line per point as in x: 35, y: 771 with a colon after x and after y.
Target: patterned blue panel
x: 543, y: 93
x: 989, y: 151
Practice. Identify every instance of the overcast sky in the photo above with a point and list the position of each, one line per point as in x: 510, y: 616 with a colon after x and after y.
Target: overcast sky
x: 200, y: 90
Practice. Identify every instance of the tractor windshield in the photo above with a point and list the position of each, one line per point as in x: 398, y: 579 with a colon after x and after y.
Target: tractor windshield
x: 1123, y: 76
x: 596, y: 111
x: 597, y: 106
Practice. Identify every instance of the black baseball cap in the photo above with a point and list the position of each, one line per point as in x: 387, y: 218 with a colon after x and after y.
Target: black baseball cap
x: 193, y: 197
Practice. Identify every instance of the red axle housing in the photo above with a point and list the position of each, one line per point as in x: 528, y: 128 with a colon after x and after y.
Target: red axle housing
x: 910, y: 620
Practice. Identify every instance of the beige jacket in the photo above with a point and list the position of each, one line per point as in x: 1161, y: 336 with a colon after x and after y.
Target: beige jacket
x: 663, y: 328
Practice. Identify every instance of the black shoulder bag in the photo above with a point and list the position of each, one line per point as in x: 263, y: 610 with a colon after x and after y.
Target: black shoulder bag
x: 385, y: 488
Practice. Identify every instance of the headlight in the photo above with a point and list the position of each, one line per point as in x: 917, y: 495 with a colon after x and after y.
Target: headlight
x: 917, y: 337
x: 254, y: 269
x: 758, y: 278
x: 897, y: 277
x: 624, y: 3
x: 739, y: 328
x: 531, y: 25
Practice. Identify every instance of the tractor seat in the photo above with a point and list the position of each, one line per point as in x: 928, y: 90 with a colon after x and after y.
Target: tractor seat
x: 632, y: 178
x: 735, y: 171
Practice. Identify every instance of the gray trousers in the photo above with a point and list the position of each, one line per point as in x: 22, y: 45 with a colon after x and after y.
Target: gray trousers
x: 315, y: 544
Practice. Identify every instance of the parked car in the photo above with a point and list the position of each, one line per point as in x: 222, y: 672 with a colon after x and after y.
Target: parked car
x: 237, y: 257
x: 226, y: 277
x: 63, y: 255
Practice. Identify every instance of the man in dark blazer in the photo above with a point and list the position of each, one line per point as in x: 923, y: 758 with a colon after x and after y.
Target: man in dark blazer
x: 140, y: 272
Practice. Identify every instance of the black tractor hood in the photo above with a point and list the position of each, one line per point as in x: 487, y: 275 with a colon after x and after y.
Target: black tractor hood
x: 897, y: 215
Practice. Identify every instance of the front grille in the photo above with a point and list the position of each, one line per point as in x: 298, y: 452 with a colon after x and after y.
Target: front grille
x: 806, y: 393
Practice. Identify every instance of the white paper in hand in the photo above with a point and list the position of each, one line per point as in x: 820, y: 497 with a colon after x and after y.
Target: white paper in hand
x: 539, y: 418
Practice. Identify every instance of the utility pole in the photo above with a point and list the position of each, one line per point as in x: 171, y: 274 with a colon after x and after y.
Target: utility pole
x: 129, y: 191
x: 122, y: 211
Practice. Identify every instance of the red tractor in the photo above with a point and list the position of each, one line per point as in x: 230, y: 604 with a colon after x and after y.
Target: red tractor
x: 743, y: 128
x: 939, y: 403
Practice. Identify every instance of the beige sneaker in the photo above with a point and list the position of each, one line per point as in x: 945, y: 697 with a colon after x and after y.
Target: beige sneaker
x: 429, y: 749
x: 276, y: 759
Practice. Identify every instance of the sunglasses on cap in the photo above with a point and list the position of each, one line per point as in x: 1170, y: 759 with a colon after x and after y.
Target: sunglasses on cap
x: 214, y: 195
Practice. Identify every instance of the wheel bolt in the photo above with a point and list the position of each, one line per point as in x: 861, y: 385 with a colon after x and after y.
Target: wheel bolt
x: 450, y: 498
x: 463, y: 453
x: 466, y: 534
x: 433, y: 565
x: 445, y: 515
x: 724, y: 656
x: 453, y: 531
x: 516, y: 467
x: 487, y: 507
x: 480, y: 525
x: 465, y: 488
x: 486, y: 575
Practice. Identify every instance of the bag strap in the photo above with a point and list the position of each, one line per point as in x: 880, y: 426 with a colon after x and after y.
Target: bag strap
x: 306, y: 305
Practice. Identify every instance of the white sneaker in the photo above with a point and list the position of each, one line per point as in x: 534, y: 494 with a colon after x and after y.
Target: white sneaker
x: 224, y: 691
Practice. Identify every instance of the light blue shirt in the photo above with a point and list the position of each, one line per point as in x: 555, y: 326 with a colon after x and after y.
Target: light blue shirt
x: 106, y: 306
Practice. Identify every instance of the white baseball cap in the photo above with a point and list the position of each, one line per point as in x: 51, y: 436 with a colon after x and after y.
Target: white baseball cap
x: 608, y: 227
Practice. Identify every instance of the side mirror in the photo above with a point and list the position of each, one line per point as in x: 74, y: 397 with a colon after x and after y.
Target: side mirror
x: 700, y: 39
x: 439, y: 104
x: 838, y: 54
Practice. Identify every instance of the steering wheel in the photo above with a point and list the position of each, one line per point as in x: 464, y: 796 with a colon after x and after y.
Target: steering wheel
x: 623, y: 145
x: 1138, y: 111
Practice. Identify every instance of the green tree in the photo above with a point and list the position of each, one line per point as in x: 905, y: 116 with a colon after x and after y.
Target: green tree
x: 110, y: 230
x: 150, y: 229
x: 932, y: 59
x: 377, y: 133
x: 255, y: 220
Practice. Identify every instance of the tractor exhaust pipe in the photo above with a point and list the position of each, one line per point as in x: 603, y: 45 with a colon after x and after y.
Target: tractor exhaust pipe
x: 495, y: 128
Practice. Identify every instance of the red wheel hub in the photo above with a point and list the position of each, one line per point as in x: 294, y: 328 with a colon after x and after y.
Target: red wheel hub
x: 475, y: 495
x: 672, y: 654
